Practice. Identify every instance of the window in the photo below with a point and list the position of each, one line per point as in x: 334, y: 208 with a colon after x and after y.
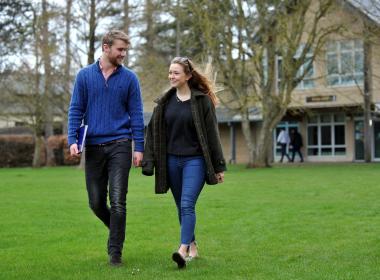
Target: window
x: 326, y: 135
x: 345, y: 62
x: 308, y: 78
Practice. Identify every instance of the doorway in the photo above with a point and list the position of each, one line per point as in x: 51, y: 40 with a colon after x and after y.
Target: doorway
x: 282, y: 125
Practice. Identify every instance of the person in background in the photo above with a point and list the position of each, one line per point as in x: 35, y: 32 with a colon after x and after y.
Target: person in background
x: 283, y: 140
x: 183, y: 147
x: 107, y: 98
x: 296, y: 142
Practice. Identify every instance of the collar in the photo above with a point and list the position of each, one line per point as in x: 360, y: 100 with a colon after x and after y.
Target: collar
x: 101, y: 66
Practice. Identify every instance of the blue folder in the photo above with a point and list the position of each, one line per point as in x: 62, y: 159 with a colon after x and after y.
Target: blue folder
x: 81, y: 137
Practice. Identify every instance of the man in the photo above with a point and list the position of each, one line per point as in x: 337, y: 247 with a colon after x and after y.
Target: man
x: 296, y: 142
x: 107, y: 98
x: 283, y: 140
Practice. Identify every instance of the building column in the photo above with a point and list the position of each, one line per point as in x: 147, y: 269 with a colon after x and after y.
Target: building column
x: 232, y: 142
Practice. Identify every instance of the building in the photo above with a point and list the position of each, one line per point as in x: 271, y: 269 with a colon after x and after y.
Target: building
x: 327, y: 106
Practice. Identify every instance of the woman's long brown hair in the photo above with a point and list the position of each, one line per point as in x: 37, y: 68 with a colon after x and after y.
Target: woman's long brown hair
x: 197, y: 81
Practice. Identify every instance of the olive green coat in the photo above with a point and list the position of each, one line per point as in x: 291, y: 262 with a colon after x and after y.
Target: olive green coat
x: 206, y: 125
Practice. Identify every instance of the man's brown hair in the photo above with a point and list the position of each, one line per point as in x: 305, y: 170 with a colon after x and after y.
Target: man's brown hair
x: 113, y: 35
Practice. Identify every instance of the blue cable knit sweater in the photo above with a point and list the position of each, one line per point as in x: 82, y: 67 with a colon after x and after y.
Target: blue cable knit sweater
x: 111, y: 108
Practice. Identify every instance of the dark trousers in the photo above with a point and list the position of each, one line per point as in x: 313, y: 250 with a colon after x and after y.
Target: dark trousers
x: 283, y: 152
x: 296, y: 150
x: 109, y: 165
x: 186, y: 177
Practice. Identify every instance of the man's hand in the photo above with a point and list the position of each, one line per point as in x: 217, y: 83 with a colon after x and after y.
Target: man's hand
x: 74, y: 152
x: 137, y: 158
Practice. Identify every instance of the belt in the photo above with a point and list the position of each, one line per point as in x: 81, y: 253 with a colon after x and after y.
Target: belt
x: 110, y: 142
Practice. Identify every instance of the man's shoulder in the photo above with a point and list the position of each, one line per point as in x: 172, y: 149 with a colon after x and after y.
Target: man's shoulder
x: 87, y: 69
x: 127, y: 71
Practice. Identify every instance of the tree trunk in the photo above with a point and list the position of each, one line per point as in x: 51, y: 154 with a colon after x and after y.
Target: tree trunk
x: 46, y: 49
x: 246, y: 129
x: 37, y: 114
x: 272, y: 112
x: 178, y: 30
x: 127, y: 23
x: 149, y: 31
x: 91, y: 34
x: 67, y: 66
x: 38, y: 145
x: 367, y: 103
x: 264, y: 144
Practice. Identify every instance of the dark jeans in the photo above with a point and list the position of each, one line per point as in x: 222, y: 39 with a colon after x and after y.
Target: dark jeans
x: 297, y: 150
x: 283, y: 152
x: 186, y: 177
x: 109, y: 165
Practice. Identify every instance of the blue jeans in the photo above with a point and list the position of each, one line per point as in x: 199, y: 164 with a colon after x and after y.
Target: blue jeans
x: 186, y: 178
x: 107, y: 172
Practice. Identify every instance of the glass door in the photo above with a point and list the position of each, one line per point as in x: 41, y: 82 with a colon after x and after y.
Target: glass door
x: 376, y: 136
x: 359, y: 140
x: 288, y: 126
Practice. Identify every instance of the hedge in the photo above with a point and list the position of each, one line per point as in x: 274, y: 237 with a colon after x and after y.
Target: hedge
x: 18, y: 150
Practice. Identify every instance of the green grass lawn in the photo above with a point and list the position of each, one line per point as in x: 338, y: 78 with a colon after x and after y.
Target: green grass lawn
x: 286, y: 222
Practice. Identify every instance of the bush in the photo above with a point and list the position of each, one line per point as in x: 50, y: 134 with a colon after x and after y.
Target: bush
x: 61, y: 152
x: 18, y: 150
x: 67, y: 159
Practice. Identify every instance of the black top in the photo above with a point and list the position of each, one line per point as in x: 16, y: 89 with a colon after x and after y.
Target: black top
x: 181, y: 136
x: 296, y: 140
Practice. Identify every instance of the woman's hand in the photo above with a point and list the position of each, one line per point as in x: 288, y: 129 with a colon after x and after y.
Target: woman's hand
x: 220, y: 177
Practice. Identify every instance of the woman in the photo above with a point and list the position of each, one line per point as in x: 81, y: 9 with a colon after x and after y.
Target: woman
x: 183, y: 147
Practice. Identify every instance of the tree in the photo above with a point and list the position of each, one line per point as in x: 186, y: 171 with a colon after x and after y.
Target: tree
x: 67, y: 66
x: 14, y: 16
x: 92, y: 14
x: 47, y: 48
x: 21, y: 24
x: 167, y: 30
x: 246, y: 46
x: 27, y: 100
x: 152, y: 54
x: 126, y: 23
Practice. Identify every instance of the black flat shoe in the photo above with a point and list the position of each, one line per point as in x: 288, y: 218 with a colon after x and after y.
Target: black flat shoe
x: 177, y: 257
x: 115, y: 260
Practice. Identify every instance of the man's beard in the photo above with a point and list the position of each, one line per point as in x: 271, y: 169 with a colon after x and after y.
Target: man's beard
x: 116, y: 61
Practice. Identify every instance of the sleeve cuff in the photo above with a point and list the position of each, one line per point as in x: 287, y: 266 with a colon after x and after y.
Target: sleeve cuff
x: 139, y: 147
x: 71, y: 140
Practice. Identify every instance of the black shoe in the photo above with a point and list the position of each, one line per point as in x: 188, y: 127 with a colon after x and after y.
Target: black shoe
x: 177, y: 257
x: 115, y: 260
